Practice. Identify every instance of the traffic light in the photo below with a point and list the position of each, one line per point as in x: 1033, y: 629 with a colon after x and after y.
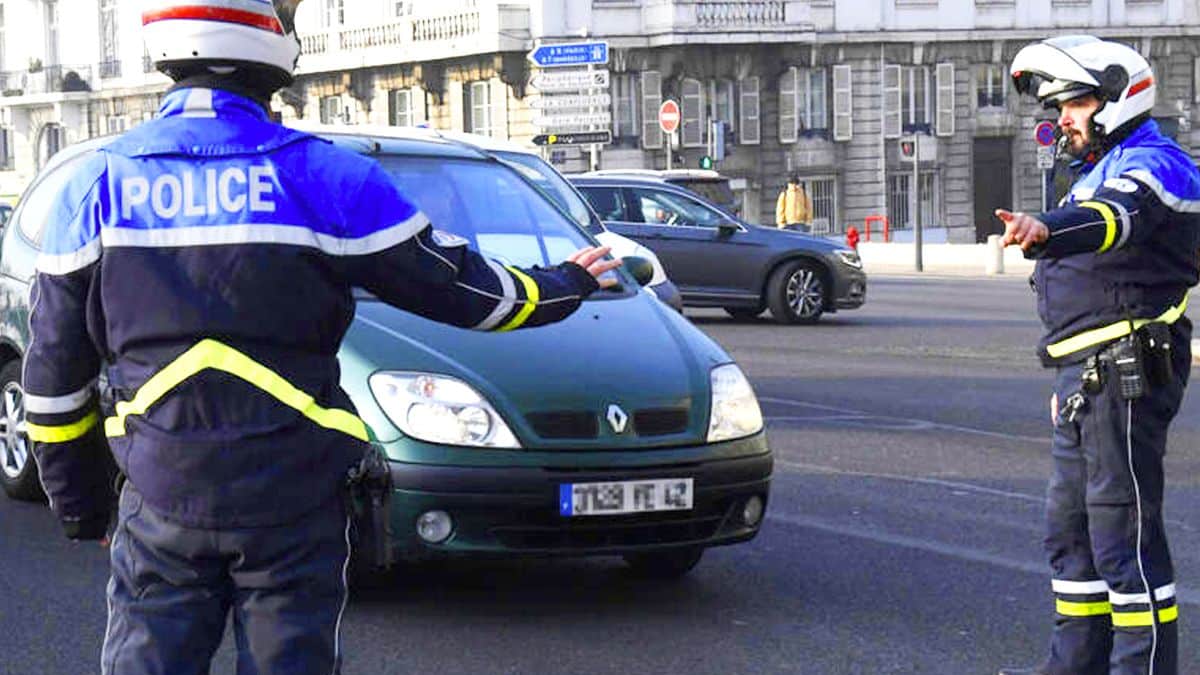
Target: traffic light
x: 706, y: 162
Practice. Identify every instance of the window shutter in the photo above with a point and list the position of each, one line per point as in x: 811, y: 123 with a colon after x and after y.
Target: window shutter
x: 454, y: 96
x: 891, y: 101
x: 693, y: 113
x: 652, y: 135
x: 748, y: 121
x: 787, y: 106
x: 843, y: 119
x: 416, y: 98
x: 944, y: 122
x: 499, y: 92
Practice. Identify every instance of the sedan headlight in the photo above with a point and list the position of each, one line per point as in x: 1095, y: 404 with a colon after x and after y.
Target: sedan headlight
x: 735, y: 411
x: 849, y: 257
x: 440, y: 409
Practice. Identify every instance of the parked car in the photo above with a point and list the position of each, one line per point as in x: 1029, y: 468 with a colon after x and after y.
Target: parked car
x: 707, y: 183
x: 623, y: 430
x: 549, y: 181
x: 719, y: 260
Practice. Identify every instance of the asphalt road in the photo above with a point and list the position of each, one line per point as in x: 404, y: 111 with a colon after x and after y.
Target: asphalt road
x: 903, y: 534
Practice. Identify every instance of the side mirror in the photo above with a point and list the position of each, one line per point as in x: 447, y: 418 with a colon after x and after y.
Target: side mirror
x: 640, y: 268
x: 728, y: 228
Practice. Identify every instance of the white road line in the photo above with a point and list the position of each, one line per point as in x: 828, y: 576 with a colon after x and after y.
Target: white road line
x: 954, y: 485
x: 1183, y: 596
x: 848, y: 414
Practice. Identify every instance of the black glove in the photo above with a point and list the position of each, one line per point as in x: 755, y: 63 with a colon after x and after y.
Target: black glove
x: 583, y: 279
x: 93, y: 528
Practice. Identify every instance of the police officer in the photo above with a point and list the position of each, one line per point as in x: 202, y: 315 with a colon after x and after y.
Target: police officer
x: 205, y: 259
x: 1115, y: 261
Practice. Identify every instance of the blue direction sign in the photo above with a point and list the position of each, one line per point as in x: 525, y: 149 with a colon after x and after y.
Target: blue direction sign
x: 570, y: 54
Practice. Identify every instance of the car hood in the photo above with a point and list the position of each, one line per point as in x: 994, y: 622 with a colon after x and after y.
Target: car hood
x: 630, y: 351
x: 801, y: 239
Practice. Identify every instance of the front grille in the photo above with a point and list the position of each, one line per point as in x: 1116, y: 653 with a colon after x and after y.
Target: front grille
x: 660, y: 421
x: 542, y: 530
x: 565, y: 424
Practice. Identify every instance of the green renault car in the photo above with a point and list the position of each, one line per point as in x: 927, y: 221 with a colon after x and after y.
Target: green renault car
x: 622, y: 430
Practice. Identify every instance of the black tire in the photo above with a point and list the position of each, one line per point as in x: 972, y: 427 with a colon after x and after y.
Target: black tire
x: 670, y: 564
x: 744, y: 313
x: 797, y: 292
x: 18, y: 470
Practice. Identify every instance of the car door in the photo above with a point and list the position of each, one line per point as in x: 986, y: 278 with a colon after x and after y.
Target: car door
x: 703, y: 259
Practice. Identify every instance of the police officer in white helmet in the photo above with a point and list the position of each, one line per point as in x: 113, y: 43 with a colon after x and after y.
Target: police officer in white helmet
x: 1115, y: 261
x: 205, y: 261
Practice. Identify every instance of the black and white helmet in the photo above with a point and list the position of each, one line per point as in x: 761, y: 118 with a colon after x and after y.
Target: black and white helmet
x: 1062, y: 68
x: 184, y: 34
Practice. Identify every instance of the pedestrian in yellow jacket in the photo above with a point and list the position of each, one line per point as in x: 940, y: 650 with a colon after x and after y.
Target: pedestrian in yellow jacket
x: 793, y: 208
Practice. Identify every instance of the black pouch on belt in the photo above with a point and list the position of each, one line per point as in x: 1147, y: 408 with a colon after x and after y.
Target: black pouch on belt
x: 369, y: 485
x: 1126, y: 356
x: 1155, y: 340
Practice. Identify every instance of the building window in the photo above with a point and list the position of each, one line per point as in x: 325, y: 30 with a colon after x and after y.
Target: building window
x: 400, y: 108
x: 803, y: 103
x: 899, y: 206
x: 479, y: 108
x: 625, y: 103
x: 333, y: 13
x: 914, y: 98
x: 823, y: 193
x: 331, y: 110
x: 115, y: 124
x: 991, y: 81
x: 720, y: 92
x: 6, y: 149
x: 110, y: 59
x: 51, y: 15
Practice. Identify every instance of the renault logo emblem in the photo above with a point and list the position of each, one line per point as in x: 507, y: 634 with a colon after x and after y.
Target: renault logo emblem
x: 617, y: 418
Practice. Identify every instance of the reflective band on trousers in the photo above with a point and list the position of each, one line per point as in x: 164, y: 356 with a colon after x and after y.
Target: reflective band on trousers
x: 62, y: 433
x: 1068, y: 608
x: 218, y: 356
x: 532, y: 295
x: 1134, y: 619
x: 1096, y: 336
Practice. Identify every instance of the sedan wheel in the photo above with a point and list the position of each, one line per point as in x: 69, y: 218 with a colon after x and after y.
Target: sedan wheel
x: 796, y: 293
x: 18, y: 471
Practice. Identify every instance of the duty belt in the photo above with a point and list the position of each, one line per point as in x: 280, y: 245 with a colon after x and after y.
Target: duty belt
x: 1113, y: 331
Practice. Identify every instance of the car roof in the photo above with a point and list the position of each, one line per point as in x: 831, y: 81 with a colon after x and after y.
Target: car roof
x: 663, y: 174
x: 621, y: 179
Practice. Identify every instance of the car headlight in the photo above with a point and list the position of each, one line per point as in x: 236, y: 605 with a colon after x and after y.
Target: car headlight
x: 849, y: 257
x: 735, y: 411
x: 440, y: 409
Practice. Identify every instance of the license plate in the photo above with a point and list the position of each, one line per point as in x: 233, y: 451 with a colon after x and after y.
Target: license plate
x: 629, y: 496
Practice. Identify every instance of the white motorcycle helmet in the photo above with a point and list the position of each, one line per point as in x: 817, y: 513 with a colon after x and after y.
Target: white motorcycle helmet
x: 185, y: 35
x: 1062, y: 68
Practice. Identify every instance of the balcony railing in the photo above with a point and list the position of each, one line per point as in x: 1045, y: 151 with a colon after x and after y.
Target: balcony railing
x: 48, y: 79
x: 743, y: 13
x: 490, y: 28
x: 718, y: 16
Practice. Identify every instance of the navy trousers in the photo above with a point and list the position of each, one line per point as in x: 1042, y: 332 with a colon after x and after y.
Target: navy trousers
x: 173, y: 588
x: 1105, y: 537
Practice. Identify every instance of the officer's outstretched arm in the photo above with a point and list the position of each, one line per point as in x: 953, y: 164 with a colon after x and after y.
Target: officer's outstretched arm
x: 437, y: 276
x: 61, y: 404
x: 1125, y: 210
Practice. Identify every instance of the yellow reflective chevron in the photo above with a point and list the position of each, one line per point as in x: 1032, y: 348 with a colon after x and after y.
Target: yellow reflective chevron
x: 532, y: 295
x: 1068, y: 608
x: 1110, y: 223
x: 1133, y: 619
x: 1095, y: 336
x: 62, y: 433
x: 210, y: 353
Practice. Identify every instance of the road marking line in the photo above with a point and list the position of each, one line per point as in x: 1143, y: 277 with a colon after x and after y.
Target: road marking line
x: 912, y: 422
x: 1183, y: 596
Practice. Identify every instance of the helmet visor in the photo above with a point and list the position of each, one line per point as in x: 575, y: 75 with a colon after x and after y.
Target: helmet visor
x: 1040, y: 64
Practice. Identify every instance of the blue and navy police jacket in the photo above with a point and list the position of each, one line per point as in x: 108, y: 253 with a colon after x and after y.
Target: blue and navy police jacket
x: 206, y: 260
x: 1124, y: 248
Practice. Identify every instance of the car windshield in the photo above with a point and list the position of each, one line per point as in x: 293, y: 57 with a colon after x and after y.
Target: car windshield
x: 550, y: 182
x: 486, y: 203
x: 715, y: 191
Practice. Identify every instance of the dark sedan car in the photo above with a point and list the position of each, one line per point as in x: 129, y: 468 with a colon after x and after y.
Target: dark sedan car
x: 718, y: 260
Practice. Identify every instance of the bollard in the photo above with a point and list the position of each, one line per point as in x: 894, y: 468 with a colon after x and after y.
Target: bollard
x: 994, y: 258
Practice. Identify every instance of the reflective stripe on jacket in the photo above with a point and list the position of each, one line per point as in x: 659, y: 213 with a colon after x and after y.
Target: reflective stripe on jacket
x: 207, y: 259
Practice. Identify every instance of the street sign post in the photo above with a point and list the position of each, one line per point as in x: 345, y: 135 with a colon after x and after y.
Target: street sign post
x: 580, y: 138
x: 570, y: 54
x: 668, y: 120
x: 1043, y: 133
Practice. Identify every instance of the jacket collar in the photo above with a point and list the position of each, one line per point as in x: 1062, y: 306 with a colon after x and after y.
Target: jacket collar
x: 209, y: 103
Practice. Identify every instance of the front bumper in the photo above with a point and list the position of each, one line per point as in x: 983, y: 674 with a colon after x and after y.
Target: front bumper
x: 850, y: 290
x: 500, y: 511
